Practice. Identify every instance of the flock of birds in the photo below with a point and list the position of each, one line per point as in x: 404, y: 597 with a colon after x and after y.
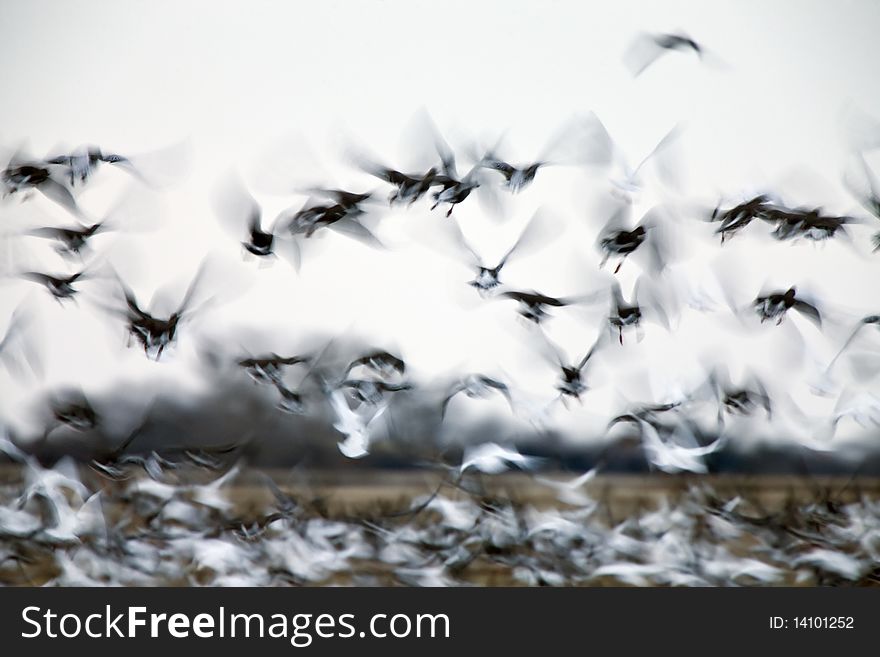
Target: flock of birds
x: 360, y: 392
x: 60, y: 528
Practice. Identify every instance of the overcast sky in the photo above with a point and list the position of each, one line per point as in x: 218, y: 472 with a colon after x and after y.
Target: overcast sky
x: 277, y: 89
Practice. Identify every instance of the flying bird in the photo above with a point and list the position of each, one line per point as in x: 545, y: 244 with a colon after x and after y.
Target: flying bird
x: 646, y: 48
x: 775, y: 305
x: 241, y: 215
x: 476, y: 386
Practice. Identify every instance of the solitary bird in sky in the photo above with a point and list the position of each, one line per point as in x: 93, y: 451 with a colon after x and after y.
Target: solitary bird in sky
x: 646, y: 49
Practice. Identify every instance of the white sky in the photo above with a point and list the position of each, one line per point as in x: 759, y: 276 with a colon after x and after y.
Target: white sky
x: 246, y: 84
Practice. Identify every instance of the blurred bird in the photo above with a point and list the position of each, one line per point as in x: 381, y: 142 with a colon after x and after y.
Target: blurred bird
x: 241, y: 215
x: 22, y: 175
x: 356, y: 425
x: 155, y: 334
x: 453, y: 188
x: 810, y: 224
x: 618, y: 238
x: 71, y: 241
x: 492, y: 458
x: 738, y: 217
x: 740, y: 399
x: 269, y: 368
x: 60, y: 287
x: 645, y: 49
x: 863, y: 184
x: 370, y: 392
x: 536, y: 234
x: 476, y: 386
x: 776, y: 304
x: 381, y: 363
x: 663, y: 442
x: 84, y: 161
x: 870, y: 320
x: 532, y: 305
x: 408, y: 188
x: 16, y: 346
x: 571, y: 378
x: 340, y: 214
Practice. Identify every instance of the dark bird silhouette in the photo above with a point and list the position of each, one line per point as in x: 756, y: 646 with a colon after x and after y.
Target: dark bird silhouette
x: 809, y: 224
x: 532, y: 305
x: 738, y: 217
x: 370, y: 391
x: 83, y: 162
x: 647, y: 304
x: 776, y: 304
x: 155, y: 333
x: 20, y: 176
x: 71, y: 241
x: 241, y: 215
x: 60, y: 287
x: 381, y: 363
x: 618, y: 239
x: 340, y: 214
x: 536, y: 234
x: 270, y: 368
x: 742, y: 399
x: 408, y: 187
x: 572, y: 382
x: 453, y: 188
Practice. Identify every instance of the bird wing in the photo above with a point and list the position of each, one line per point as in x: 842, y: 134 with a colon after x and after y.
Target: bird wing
x: 809, y: 310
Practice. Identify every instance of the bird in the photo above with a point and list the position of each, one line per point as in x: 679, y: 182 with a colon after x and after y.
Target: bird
x: 356, y: 424
x: 516, y: 178
x: 776, y: 304
x: 16, y: 344
x: 71, y: 241
x: 155, y: 334
x: 862, y: 183
x: 82, y: 162
x: 60, y: 287
x: 571, y: 382
x: 492, y: 458
x: 810, y: 224
x: 618, y: 238
x: 662, y: 441
x: 646, y: 304
x: 475, y: 386
x: 19, y: 176
x: 646, y: 48
x: 454, y: 189
x: 537, y: 232
x: 372, y: 392
x: 292, y: 401
x: 740, y: 399
x: 739, y: 216
x: 380, y: 362
x: 241, y: 215
x: 408, y: 188
x: 532, y: 304
x: 340, y: 213
x: 868, y: 320
x: 570, y: 491
x: 268, y: 368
